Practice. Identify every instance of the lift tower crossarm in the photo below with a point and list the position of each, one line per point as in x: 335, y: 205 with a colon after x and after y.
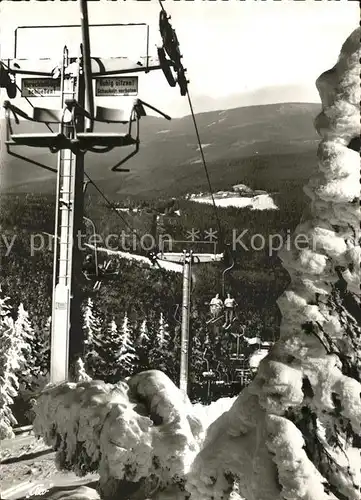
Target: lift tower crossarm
x: 99, y: 66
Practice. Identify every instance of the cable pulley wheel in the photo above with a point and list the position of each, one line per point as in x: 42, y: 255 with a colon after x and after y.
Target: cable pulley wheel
x: 164, y: 64
x: 170, y: 40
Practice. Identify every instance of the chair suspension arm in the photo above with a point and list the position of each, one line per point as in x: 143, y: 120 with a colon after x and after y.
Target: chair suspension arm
x: 9, y: 129
x: 16, y: 112
x: 167, y: 117
x: 73, y: 106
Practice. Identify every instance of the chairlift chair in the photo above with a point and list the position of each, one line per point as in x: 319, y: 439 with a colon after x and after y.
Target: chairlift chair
x: 102, y: 272
x: 98, y: 272
x: 101, y: 142
x: 227, y: 257
x: 244, y: 375
x: 52, y: 140
x: 78, y: 141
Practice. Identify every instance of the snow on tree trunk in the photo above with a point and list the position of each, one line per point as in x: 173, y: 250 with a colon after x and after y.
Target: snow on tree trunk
x: 80, y: 373
x: 163, y: 335
x: 25, y: 334
x: 294, y: 432
x: 91, y: 328
x: 139, y: 435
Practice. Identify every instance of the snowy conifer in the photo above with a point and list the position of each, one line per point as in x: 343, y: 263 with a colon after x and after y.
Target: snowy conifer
x: 126, y: 354
x: 8, y: 380
x: 81, y: 374
x: 143, y: 332
x: 112, y: 345
x: 24, y: 335
x: 45, y: 348
x: 163, y: 334
x: 92, y: 334
x: 12, y: 360
x: 5, y: 309
x: 161, y: 355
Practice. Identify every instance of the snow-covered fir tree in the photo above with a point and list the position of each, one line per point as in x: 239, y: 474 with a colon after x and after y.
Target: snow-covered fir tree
x: 92, y: 338
x: 12, y: 360
x: 45, y: 347
x: 8, y: 380
x: 126, y: 355
x: 81, y: 374
x: 163, y: 333
x: 142, y: 345
x: 143, y: 336
x: 161, y: 350
x: 24, y: 332
x: 112, y: 344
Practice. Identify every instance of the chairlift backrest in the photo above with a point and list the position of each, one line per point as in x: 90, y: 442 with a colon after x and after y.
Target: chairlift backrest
x: 46, y: 115
x: 110, y: 115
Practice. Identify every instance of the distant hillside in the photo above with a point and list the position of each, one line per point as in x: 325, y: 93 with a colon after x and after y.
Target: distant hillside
x: 265, y: 147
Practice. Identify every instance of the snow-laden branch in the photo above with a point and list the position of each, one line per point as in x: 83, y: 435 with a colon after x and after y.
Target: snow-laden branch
x: 142, y: 434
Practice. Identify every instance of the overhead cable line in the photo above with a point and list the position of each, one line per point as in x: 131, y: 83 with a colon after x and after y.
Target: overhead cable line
x: 111, y: 206
x: 171, y: 47
x: 205, y: 165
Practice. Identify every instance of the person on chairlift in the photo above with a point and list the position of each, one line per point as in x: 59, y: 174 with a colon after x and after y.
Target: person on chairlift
x: 216, y: 306
x: 229, y: 306
x: 89, y: 267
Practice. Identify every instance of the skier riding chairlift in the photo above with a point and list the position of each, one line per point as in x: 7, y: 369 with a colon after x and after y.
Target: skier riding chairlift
x: 216, y: 306
x: 89, y: 267
x: 229, y: 306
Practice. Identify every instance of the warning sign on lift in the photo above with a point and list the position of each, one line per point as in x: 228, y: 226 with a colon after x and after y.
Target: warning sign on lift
x: 118, y: 85
x: 40, y: 87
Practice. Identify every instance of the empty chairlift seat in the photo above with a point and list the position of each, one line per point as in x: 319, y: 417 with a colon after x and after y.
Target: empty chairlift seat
x: 79, y: 140
x: 52, y: 140
x: 109, y: 140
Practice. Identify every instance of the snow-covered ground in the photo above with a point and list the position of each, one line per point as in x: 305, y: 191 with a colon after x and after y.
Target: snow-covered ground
x: 166, y: 265
x: 260, y: 202
x: 208, y: 414
x: 241, y: 196
x: 256, y: 358
x: 203, y: 146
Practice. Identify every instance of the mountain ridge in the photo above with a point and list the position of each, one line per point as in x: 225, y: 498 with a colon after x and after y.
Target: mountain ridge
x: 169, y: 153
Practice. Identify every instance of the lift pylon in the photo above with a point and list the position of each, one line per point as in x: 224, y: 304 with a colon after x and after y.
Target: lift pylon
x: 187, y: 258
x: 65, y: 348
x: 74, y: 118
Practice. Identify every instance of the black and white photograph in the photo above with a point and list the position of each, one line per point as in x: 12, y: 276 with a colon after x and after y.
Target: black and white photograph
x: 180, y: 250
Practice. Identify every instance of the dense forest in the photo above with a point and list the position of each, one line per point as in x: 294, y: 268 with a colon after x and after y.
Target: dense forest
x: 143, y: 301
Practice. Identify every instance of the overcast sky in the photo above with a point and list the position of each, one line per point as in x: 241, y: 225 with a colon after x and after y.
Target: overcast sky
x: 236, y: 52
